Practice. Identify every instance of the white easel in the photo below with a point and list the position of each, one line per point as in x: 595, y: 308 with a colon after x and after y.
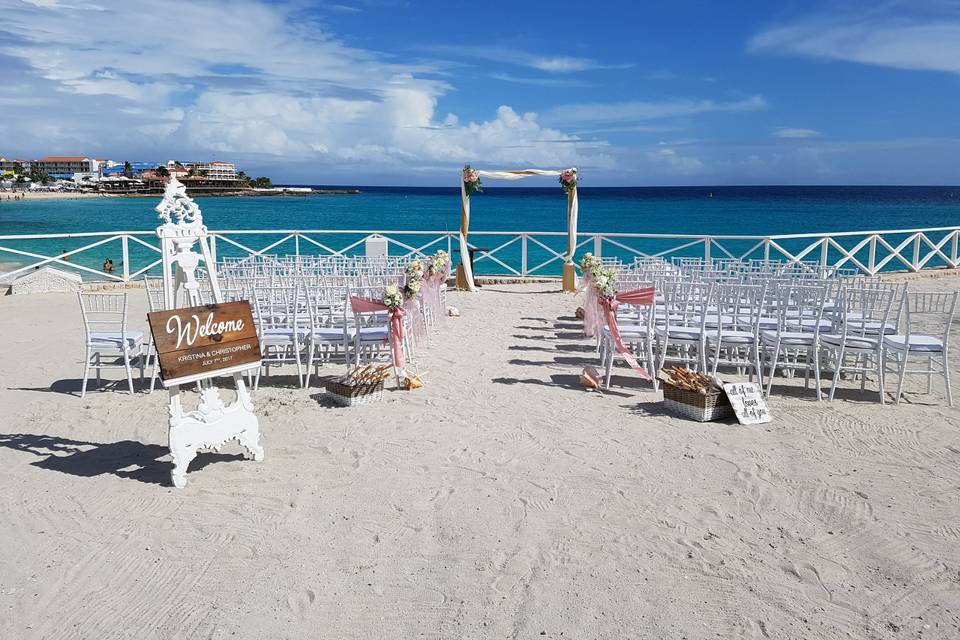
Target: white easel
x: 213, y: 423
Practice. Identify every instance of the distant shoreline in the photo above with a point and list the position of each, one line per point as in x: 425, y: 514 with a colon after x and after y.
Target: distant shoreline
x: 61, y: 195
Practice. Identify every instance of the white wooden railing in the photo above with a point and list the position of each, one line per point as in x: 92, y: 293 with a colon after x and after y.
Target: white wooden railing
x: 525, y: 253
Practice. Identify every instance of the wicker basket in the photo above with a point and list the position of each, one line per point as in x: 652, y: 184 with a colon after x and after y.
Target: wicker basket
x: 347, y: 395
x: 696, y: 406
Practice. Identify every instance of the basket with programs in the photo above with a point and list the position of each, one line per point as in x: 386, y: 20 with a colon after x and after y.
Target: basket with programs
x: 360, y: 386
x: 694, y: 395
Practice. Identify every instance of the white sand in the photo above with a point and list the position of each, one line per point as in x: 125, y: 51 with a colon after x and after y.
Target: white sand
x: 500, y: 501
x: 50, y: 195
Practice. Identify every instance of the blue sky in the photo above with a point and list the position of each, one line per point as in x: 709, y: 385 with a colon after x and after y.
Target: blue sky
x: 382, y: 92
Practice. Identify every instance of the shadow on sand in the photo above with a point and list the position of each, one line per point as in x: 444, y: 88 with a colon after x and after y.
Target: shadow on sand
x: 125, y: 459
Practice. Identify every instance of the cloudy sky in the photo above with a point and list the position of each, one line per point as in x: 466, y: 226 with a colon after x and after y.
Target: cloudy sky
x: 390, y: 92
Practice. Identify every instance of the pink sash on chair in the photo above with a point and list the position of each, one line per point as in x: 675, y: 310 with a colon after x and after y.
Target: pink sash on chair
x: 592, y: 317
x: 637, y: 297
x: 430, y: 292
x: 395, y: 335
x: 418, y: 321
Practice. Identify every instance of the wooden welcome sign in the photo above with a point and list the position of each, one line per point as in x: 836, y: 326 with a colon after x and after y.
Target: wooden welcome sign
x: 198, y: 342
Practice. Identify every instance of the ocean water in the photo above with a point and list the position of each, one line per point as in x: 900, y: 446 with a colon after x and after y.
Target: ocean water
x: 664, y: 210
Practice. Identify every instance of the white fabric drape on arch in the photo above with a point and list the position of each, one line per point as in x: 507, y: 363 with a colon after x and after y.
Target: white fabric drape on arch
x: 573, y: 210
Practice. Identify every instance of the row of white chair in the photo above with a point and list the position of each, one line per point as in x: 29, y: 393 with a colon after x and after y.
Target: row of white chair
x: 844, y: 326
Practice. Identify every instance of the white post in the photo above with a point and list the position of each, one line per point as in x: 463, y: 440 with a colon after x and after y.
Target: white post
x: 125, y: 244
x: 523, y: 254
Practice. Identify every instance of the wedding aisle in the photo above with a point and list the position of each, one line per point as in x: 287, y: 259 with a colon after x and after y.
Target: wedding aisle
x: 500, y: 500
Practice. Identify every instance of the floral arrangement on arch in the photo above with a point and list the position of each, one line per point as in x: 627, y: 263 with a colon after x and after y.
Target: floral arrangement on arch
x: 471, y: 180
x: 569, y: 179
x: 604, y: 279
x: 437, y: 263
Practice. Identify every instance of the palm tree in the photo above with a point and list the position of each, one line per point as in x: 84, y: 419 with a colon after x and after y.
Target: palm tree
x: 162, y: 172
x: 127, y: 169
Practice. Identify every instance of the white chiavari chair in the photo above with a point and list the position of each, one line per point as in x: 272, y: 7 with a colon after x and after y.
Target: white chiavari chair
x: 795, y: 343
x: 928, y: 318
x: 861, y: 323
x: 107, y: 335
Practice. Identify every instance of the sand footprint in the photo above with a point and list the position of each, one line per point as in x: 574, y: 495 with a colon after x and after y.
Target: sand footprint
x: 300, y: 602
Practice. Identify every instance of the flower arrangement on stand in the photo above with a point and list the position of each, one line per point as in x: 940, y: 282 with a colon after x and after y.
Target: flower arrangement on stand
x: 393, y: 297
x: 414, y: 273
x: 437, y: 263
x: 590, y: 264
x: 471, y: 180
x: 569, y: 179
x: 603, y: 279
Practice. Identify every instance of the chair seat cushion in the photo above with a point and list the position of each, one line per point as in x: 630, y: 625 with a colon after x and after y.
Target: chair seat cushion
x: 282, y: 335
x: 628, y: 328
x: 871, y: 326
x: 680, y: 333
x: 917, y: 343
x: 713, y: 320
x: 765, y: 322
x: 809, y: 324
x: 739, y: 337
x: 330, y: 334
x: 373, y: 334
x: 789, y: 338
x: 852, y: 342
x: 114, y: 339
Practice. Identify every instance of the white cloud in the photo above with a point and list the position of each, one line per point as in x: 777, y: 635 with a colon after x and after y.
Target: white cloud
x: 790, y: 132
x: 539, y: 82
x: 253, y: 82
x: 633, y: 111
x: 519, y: 58
x: 674, y: 164
x: 567, y: 64
x: 881, y: 38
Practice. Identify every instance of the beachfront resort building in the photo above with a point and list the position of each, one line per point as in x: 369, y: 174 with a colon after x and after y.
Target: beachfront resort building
x: 65, y: 166
x: 12, y: 166
x: 53, y: 166
x: 214, y: 171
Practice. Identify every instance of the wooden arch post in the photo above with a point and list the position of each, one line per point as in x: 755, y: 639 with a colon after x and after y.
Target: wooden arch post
x: 465, y: 269
x: 569, y: 267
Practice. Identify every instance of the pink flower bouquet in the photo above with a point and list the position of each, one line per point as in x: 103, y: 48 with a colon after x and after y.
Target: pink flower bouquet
x: 471, y: 180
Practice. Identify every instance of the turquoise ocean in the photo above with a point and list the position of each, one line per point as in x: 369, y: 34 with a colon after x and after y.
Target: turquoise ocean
x: 669, y: 210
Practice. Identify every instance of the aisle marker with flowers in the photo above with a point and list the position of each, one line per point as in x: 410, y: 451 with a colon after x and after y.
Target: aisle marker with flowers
x: 396, y: 301
x: 599, y: 284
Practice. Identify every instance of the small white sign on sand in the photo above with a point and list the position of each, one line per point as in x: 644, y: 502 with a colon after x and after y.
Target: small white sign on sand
x: 747, y: 401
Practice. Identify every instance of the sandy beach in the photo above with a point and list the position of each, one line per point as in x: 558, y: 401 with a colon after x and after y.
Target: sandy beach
x: 50, y: 195
x: 500, y: 501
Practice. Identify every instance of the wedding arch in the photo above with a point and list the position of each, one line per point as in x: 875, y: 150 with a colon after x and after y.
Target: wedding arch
x: 470, y: 183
